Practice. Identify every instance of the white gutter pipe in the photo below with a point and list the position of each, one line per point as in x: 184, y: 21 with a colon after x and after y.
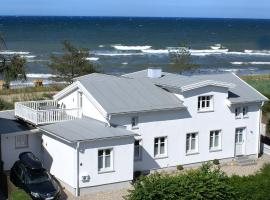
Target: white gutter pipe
x: 77, y: 169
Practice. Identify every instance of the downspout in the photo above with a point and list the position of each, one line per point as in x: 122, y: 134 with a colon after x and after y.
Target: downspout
x: 259, y: 137
x: 77, y: 169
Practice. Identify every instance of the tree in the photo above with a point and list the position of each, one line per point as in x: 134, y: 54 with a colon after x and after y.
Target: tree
x: 14, y: 70
x: 181, y: 60
x: 72, y: 64
x: 3, y: 46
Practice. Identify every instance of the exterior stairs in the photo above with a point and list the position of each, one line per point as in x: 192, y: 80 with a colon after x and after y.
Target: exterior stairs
x: 245, y: 161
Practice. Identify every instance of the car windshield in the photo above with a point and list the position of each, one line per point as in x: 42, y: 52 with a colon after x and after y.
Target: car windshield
x: 37, y: 176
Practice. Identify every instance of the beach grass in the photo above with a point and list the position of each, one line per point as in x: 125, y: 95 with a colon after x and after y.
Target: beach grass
x: 260, y: 82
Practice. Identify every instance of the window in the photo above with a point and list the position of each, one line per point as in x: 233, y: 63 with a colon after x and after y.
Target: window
x: 245, y: 111
x: 21, y: 141
x: 134, y: 122
x: 239, y: 135
x: 160, y: 147
x: 105, y: 160
x: 192, y: 143
x: 80, y: 99
x: 205, y: 103
x: 138, y: 149
x: 237, y: 112
x: 215, y: 140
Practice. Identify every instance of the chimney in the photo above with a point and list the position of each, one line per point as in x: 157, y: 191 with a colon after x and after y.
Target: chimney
x: 154, y: 72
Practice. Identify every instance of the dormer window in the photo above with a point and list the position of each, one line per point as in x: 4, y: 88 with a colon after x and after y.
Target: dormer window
x: 205, y: 103
x: 237, y: 112
x: 245, y: 111
x: 134, y: 122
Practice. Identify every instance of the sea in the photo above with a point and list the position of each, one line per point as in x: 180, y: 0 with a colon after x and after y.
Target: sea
x: 120, y: 45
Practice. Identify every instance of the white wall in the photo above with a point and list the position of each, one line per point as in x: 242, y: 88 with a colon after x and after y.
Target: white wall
x: 176, y: 124
x: 88, y: 108
x: 59, y: 158
x: 10, y: 154
x: 122, y: 156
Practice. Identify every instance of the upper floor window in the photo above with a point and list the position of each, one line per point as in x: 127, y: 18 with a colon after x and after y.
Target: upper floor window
x: 105, y: 160
x: 237, y: 112
x: 134, y: 122
x: 192, y: 143
x: 160, y: 146
x: 80, y: 99
x: 245, y: 111
x: 215, y: 140
x: 21, y: 141
x: 205, y: 103
x: 138, y: 150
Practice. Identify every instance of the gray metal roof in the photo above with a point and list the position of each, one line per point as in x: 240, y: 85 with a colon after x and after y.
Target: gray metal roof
x: 241, y: 93
x: 84, y: 129
x: 10, y: 125
x: 125, y: 95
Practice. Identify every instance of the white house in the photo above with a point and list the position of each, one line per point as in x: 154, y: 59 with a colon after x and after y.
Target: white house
x: 100, y: 129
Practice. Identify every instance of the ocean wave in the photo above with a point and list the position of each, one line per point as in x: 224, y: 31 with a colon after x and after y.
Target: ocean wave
x: 251, y: 63
x: 14, y: 52
x: 92, y: 58
x: 130, y: 48
x: 28, y: 57
x: 117, y: 54
x: 124, y: 63
x: 33, y: 75
x: 101, y: 46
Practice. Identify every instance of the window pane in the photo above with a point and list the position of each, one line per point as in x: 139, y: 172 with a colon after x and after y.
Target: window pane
x: 193, y: 144
x: 216, y: 140
x: 108, y: 152
x: 137, y: 142
x: 107, y: 161
x: 100, y: 162
x: 156, y: 150
x: 162, y: 148
x: 156, y: 140
x: 203, y: 104
x: 207, y: 103
x: 211, y: 140
x: 240, y: 137
x: 100, y: 152
x: 187, y: 142
x: 162, y: 139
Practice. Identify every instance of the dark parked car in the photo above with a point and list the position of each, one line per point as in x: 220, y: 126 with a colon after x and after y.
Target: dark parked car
x: 28, y: 173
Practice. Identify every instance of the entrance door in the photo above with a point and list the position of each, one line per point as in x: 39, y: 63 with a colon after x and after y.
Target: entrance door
x: 239, y: 141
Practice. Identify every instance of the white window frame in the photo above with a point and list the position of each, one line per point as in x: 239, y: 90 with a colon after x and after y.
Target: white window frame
x: 136, y: 158
x: 245, y: 111
x: 215, y: 148
x: 202, y: 102
x: 103, y: 168
x: 18, y: 141
x: 135, y: 125
x: 80, y: 99
x: 160, y: 155
x: 189, y: 141
x: 237, y: 112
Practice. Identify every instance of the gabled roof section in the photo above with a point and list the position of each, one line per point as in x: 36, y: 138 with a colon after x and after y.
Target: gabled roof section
x: 239, y: 90
x: 84, y: 129
x: 125, y: 95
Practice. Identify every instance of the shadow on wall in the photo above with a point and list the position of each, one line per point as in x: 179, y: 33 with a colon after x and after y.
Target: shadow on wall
x: 47, y: 159
x: 148, y: 162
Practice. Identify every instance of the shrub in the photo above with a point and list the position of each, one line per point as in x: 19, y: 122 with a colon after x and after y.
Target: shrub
x: 255, y: 187
x: 207, y: 182
x: 20, y: 195
x: 216, y: 162
x: 179, y: 167
x: 137, y: 174
x: 4, y: 105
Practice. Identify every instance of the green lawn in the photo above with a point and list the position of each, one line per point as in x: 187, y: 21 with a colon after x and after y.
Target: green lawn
x: 261, y: 85
x: 20, y: 195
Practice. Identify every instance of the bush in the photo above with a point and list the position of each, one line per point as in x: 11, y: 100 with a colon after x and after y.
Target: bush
x: 179, y: 167
x: 4, y: 105
x: 216, y: 162
x: 20, y: 195
x: 207, y: 182
x: 255, y: 187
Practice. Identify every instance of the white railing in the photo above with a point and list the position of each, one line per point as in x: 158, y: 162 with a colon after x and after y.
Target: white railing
x: 45, y: 112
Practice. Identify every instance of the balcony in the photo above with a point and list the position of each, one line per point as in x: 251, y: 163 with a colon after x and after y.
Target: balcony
x: 45, y: 112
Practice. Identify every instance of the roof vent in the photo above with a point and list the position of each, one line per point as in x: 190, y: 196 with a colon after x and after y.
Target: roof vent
x: 154, y: 72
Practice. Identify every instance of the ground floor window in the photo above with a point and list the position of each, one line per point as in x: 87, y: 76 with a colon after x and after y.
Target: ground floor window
x: 215, y: 140
x: 239, y: 135
x: 160, y: 146
x: 138, y: 150
x: 192, y: 143
x: 21, y: 141
x: 105, y: 160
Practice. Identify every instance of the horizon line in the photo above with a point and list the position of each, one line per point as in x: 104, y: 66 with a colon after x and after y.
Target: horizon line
x: 157, y: 17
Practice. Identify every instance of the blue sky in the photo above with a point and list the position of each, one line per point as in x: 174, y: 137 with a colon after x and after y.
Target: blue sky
x: 153, y: 8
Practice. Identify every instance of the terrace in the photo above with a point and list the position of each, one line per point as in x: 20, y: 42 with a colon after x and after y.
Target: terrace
x: 45, y: 112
